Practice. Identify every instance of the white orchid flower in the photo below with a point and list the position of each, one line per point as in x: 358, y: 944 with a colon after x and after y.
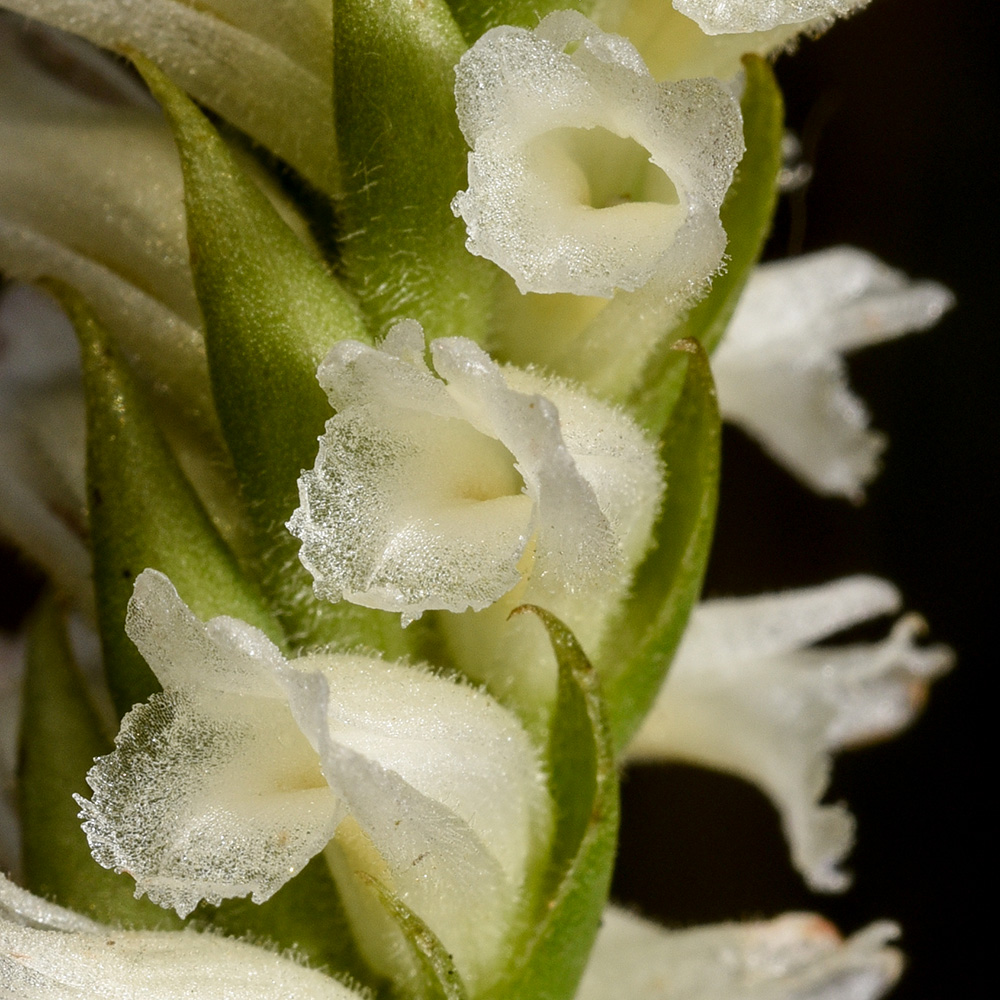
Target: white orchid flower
x: 248, y: 764
x: 797, y: 956
x: 779, y: 369
x: 746, y: 695
x: 448, y: 489
x: 50, y: 953
x: 692, y: 38
x: 587, y: 176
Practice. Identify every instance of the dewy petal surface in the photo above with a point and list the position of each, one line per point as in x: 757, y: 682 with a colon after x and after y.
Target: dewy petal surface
x: 745, y: 695
x: 48, y: 953
x: 719, y: 16
x: 448, y: 492
x: 779, y: 369
x: 586, y: 176
x: 248, y: 764
x: 793, y: 957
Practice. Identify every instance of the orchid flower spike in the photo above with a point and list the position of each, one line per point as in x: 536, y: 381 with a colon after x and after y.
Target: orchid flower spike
x: 248, y: 764
x: 779, y: 370
x: 587, y: 176
x: 797, y: 956
x: 49, y: 953
x: 746, y: 695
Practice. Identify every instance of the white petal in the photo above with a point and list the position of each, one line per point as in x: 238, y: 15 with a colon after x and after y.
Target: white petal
x: 741, y: 698
x: 247, y: 79
x: 793, y: 957
x: 586, y: 175
x: 212, y: 791
x: 718, y: 16
x: 431, y: 494
x: 779, y: 370
x: 48, y: 953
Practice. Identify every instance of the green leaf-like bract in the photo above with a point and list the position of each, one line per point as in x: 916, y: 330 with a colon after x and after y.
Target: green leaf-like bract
x: 144, y: 514
x: 403, y: 159
x: 439, y: 978
x: 272, y: 312
x: 746, y: 216
x: 61, y: 734
x: 668, y: 582
x: 583, y: 781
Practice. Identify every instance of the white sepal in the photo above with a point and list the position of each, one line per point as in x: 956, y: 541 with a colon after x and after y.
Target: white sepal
x: 716, y: 17
x: 745, y: 695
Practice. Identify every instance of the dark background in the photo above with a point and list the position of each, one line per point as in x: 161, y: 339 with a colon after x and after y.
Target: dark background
x: 895, y: 108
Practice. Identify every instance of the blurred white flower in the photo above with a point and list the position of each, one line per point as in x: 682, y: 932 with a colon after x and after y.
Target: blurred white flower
x: 48, y: 953
x: 779, y: 369
x: 720, y: 16
x: 745, y: 695
x: 797, y: 956
x: 586, y: 176
x: 248, y: 764
x: 449, y: 490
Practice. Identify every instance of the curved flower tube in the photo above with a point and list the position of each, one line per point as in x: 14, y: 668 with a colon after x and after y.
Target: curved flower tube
x: 779, y: 370
x: 746, y: 695
x: 248, y: 764
x: 49, y: 953
x: 447, y: 490
x: 586, y: 176
x: 797, y: 956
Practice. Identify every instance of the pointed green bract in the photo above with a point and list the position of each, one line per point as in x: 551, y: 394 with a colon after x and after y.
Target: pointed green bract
x: 746, y: 216
x: 440, y: 979
x: 403, y: 159
x: 272, y: 312
x: 61, y: 734
x: 584, y: 785
x: 144, y: 514
x: 475, y: 17
x: 668, y: 582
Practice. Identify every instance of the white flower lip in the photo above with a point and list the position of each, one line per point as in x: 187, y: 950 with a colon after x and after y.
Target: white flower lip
x: 248, y: 764
x: 586, y: 175
x: 779, y: 370
x: 745, y: 695
x: 445, y: 492
x: 716, y: 17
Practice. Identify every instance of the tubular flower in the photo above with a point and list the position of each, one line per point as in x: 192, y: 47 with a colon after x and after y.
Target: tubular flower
x: 798, y: 956
x: 779, y: 370
x: 449, y: 490
x: 249, y: 764
x: 50, y: 953
x: 746, y: 695
x: 586, y: 176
